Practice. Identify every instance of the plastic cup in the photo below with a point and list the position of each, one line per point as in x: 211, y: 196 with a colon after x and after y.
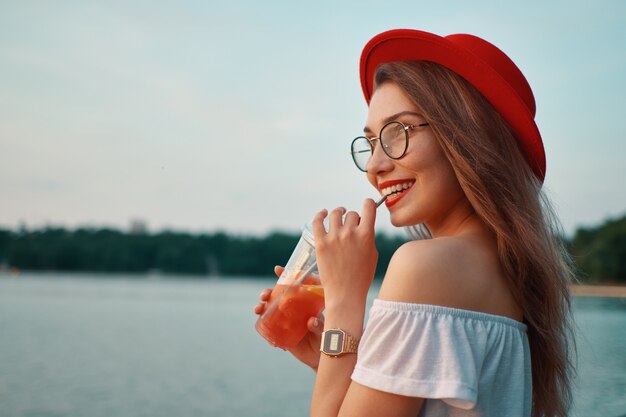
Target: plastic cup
x: 297, y: 296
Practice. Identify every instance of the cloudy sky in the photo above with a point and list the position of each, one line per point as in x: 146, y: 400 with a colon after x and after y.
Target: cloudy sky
x: 238, y: 115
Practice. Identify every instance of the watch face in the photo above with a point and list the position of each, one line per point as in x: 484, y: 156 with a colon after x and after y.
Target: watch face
x: 333, y: 342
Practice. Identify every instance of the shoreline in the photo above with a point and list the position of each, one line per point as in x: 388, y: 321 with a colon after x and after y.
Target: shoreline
x: 578, y: 290
x: 614, y: 291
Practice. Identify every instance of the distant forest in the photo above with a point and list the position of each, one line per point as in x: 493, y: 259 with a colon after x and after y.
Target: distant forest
x: 109, y: 250
x: 600, y: 253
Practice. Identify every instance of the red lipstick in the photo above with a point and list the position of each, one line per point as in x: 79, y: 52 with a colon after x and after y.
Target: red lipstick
x: 386, y: 184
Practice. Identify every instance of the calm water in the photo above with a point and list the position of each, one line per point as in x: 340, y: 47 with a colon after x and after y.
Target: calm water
x: 89, y: 345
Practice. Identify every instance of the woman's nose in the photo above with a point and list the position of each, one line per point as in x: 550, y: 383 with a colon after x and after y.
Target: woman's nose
x: 379, y: 161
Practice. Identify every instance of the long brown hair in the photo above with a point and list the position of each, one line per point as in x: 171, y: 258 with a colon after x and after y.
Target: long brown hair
x: 507, y: 196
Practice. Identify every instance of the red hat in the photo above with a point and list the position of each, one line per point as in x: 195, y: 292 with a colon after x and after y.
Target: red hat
x: 482, y: 64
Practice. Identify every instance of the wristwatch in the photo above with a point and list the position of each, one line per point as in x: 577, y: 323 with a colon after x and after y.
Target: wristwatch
x: 337, y: 342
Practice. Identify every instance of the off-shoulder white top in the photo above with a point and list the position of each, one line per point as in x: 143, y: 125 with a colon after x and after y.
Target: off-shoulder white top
x: 464, y: 363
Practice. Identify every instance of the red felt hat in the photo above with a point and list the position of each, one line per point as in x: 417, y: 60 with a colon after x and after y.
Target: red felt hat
x: 482, y: 64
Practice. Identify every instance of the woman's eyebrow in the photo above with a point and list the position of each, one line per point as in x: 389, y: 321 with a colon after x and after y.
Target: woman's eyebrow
x: 394, y: 117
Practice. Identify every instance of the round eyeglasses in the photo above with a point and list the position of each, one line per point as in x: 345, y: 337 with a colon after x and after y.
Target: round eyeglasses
x: 393, y: 137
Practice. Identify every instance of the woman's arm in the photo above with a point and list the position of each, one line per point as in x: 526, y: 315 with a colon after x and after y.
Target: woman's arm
x: 445, y: 271
x: 347, y: 260
x: 335, y: 394
x: 333, y: 373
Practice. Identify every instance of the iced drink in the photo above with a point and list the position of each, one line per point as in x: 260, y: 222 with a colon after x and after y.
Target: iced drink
x: 284, y: 322
x: 295, y: 298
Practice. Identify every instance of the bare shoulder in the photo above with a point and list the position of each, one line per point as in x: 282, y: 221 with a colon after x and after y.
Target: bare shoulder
x: 457, y: 272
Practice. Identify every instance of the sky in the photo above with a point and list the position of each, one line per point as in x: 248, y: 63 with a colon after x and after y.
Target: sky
x: 202, y: 116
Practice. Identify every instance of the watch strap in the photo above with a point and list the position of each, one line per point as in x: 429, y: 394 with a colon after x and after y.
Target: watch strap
x: 350, y: 344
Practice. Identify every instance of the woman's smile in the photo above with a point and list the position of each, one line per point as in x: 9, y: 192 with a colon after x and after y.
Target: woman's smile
x: 395, y: 190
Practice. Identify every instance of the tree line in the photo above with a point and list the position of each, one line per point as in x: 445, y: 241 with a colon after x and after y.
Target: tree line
x: 110, y: 250
x: 600, y: 252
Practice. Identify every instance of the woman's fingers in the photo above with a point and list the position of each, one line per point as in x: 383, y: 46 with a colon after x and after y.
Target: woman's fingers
x: 259, y: 308
x: 265, y: 294
x: 264, y: 297
x: 319, y: 231
x: 368, y: 216
x: 352, y: 219
x: 278, y: 270
x: 316, y: 325
x: 336, y: 218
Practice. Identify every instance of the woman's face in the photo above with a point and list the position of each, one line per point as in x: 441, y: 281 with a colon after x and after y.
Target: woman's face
x: 422, y: 186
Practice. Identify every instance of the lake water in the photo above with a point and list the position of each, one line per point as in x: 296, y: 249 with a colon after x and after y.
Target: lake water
x: 102, y: 346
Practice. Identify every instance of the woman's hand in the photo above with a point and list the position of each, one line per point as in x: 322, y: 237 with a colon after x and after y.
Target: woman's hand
x: 308, y: 350
x: 346, y: 254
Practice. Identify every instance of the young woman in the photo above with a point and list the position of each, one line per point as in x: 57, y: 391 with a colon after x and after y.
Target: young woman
x: 475, y: 321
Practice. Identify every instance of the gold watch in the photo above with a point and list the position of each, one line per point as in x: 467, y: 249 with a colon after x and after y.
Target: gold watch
x: 337, y: 342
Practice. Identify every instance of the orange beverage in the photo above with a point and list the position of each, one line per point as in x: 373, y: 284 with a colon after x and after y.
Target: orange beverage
x: 284, y: 322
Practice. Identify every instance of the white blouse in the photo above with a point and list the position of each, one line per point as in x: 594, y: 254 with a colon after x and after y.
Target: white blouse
x: 463, y: 363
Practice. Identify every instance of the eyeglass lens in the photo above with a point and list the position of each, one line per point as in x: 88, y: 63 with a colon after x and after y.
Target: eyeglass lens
x: 393, y: 139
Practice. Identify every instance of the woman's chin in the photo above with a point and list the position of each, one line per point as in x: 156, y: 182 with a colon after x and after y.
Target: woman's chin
x: 399, y: 221
x: 396, y: 223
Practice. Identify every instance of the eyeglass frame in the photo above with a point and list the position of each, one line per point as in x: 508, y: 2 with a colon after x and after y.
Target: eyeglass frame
x: 372, y: 140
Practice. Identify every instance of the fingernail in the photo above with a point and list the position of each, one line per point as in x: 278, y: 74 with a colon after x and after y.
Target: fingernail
x: 316, y: 322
